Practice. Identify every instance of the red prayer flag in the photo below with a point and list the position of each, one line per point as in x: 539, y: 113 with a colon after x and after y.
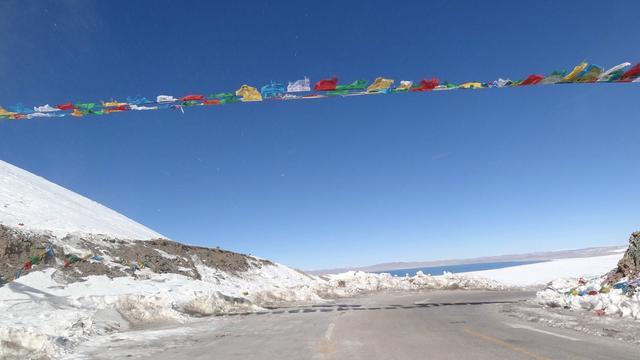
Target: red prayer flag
x: 326, y: 84
x: 631, y: 74
x: 212, y: 102
x: 532, y: 80
x: 116, y: 109
x: 192, y: 98
x: 426, y: 84
x: 67, y: 106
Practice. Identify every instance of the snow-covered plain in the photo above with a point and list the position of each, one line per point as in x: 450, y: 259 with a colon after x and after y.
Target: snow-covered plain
x: 544, y: 272
x: 39, y: 204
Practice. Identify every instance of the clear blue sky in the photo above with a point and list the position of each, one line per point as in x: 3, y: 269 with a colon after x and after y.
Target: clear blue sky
x: 336, y: 182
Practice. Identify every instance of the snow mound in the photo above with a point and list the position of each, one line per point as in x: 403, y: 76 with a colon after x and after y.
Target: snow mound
x: 355, y: 282
x: 41, y: 205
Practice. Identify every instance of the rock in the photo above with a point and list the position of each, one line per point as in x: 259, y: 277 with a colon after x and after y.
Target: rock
x: 629, y: 265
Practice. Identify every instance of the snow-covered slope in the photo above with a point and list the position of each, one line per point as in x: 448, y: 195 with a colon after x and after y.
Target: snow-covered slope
x: 39, y: 204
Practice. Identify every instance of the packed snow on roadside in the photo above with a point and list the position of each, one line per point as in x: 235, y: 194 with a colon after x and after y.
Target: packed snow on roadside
x: 31, y: 202
x: 355, y: 282
x: 42, y: 315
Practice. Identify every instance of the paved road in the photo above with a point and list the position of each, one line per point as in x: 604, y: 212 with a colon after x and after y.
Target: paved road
x: 428, y: 325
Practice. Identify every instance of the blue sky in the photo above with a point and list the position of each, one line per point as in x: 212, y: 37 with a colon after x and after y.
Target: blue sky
x: 336, y: 182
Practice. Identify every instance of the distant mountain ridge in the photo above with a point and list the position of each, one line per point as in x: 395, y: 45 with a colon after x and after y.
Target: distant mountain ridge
x: 535, y: 256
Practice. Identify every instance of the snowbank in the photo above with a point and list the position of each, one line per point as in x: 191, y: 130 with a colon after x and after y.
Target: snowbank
x: 355, y: 282
x: 32, y: 202
x: 590, y: 295
x: 544, y: 272
x: 42, y: 316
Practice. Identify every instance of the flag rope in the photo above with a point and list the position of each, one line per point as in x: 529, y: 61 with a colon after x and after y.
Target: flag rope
x: 325, y: 88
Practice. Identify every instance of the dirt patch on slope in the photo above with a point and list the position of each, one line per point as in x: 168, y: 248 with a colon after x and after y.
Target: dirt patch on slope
x: 16, y: 247
x: 119, y: 257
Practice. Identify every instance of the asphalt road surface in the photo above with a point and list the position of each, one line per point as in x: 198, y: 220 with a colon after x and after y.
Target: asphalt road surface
x: 387, y: 326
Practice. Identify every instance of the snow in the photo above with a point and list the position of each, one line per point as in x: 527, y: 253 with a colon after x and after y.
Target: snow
x: 544, y: 272
x: 354, y: 282
x: 574, y: 294
x: 564, y: 289
x: 166, y: 255
x: 43, y: 316
x: 39, y: 204
x: 40, y: 314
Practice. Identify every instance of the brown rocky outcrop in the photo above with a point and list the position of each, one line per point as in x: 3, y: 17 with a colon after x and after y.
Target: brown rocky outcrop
x: 629, y: 265
x: 160, y: 255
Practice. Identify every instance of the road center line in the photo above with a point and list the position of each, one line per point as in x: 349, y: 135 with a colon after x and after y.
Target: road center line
x: 505, y: 344
x: 531, y: 328
x: 329, y: 332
